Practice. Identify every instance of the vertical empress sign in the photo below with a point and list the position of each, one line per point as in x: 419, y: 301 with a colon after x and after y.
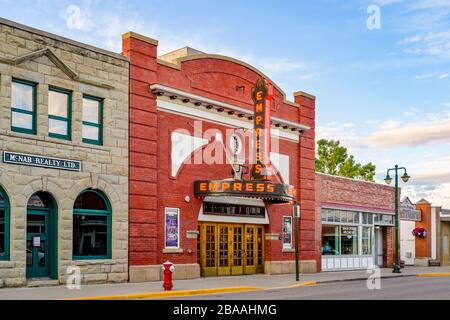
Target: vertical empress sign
x: 262, y: 95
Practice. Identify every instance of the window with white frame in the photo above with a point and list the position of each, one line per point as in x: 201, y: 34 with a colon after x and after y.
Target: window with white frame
x: 347, y: 233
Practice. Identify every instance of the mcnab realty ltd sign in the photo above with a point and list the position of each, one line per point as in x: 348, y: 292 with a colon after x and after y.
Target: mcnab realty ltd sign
x: 43, y: 162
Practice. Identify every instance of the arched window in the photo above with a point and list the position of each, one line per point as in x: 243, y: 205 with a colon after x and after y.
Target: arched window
x: 92, y: 226
x: 4, y: 226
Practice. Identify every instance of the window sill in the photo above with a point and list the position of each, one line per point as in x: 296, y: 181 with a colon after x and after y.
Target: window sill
x: 173, y: 251
x: 288, y: 250
x: 6, y: 264
x: 91, y: 260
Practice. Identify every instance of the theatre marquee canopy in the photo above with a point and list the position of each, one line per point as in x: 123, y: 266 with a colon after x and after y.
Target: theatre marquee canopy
x: 272, y: 192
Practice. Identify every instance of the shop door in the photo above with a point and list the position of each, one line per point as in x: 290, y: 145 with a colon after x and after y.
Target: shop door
x: 238, y: 252
x: 231, y: 249
x: 37, y: 244
x: 208, y: 243
x: 254, y: 250
x: 379, y: 259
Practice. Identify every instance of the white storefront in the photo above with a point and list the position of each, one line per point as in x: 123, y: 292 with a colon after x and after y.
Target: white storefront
x: 353, y: 239
x: 408, y: 218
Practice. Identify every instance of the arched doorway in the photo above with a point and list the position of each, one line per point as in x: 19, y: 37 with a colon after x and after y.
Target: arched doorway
x: 42, y: 236
x: 4, y: 225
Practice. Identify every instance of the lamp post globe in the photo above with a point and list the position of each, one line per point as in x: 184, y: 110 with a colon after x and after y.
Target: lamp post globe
x: 388, y: 179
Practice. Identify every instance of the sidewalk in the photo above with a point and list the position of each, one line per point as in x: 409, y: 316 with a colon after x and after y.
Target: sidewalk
x: 204, y: 285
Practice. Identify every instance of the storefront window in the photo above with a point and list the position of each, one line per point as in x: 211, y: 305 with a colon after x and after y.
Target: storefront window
x: 287, y: 232
x: 367, y: 241
x: 342, y: 230
x: 384, y: 219
x: 349, y: 240
x: 233, y: 210
x: 91, y: 226
x: 330, y: 241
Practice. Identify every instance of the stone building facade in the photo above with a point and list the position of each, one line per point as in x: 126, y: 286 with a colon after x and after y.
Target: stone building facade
x: 64, y: 166
x: 358, y: 220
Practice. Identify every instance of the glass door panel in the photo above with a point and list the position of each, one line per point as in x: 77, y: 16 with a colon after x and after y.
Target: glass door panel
x: 224, y: 252
x: 37, y: 248
x: 250, y: 261
x: 238, y: 259
x: 260, y: 249
x: 208, y: 253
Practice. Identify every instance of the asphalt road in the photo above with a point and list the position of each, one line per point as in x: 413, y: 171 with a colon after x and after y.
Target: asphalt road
x: 410, y: 288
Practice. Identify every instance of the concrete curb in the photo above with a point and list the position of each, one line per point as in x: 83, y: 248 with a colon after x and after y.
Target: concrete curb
x: 187, y: 293
x: 365, y: 278
x: 171, y: 294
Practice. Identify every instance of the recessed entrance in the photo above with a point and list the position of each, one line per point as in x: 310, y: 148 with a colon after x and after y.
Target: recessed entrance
x: 231, y: 249
x: 41, y: 249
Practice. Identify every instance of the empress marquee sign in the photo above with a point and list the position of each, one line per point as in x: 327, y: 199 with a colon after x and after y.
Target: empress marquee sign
x: 43, y: 162
x: 260, y: 186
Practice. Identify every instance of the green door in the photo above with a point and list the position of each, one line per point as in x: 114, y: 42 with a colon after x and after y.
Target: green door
x: 38, y: 244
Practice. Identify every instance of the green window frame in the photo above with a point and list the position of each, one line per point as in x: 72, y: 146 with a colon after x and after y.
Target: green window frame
x: 5, y: 207
x: 98, y: 126
x: 67, y: 120
x: 100, y: 213
x: 17, y: 109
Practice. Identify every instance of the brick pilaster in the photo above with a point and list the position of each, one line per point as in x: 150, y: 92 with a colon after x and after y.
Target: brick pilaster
x: 310, y: 223
x: 142, y: 52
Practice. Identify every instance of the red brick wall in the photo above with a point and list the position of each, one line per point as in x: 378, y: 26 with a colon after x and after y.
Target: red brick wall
x: 143, y: 152
x: 360, y: 195
x: 310, y: 226
x: 152, y: 189
x: 342, y: 191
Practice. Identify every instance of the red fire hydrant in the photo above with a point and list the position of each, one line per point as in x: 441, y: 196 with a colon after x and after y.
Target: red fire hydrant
x: 168, y: 269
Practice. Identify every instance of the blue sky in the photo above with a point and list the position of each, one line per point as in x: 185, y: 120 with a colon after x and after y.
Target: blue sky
x: 384, y: 93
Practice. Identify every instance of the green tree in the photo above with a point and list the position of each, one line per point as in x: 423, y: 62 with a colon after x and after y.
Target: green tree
x: 333, y: 159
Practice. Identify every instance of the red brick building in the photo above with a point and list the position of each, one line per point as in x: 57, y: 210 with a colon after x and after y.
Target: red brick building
x: 183, y: 107
x: 357, y: 220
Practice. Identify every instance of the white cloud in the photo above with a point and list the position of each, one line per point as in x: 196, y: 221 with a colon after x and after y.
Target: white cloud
x: 345, y: 133
x: 436, y: 130
x: 277, y: 65
x: 390, y: 124
x: 423, y: 76
x: 432, y: 43
x: 428, y: 4
x: 308, y: 76
x: 429, y: 75
x: 387, y: 2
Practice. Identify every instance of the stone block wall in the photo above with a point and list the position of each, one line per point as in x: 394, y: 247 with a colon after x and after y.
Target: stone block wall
x: 29, y: 54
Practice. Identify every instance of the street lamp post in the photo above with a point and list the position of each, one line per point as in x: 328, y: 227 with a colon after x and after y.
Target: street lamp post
x: 388, y: 180
x: 296, y: 235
